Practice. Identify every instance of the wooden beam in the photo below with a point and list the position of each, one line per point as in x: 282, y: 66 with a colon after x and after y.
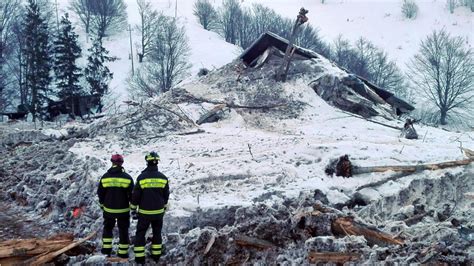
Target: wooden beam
x: 44, y: 258
x: 253, y: 242
x: 30, y: 247
x: 210, y: 113
x: 335, y: 257
x: 347, y: 226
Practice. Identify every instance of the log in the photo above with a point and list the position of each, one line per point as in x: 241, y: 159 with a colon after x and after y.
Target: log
x: 30, y: 247
x: 253, y: 242
x: 335, y: 257
x: 44, y: 258
x: 416, y: 218
x: 205, y: 117
x: 347, y: 226
x: 411, y: 168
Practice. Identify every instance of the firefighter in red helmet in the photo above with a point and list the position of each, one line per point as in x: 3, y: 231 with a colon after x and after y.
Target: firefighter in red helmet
x: 115, y: 191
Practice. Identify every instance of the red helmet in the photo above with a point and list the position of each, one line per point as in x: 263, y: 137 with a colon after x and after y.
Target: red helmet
x: 117, y: 159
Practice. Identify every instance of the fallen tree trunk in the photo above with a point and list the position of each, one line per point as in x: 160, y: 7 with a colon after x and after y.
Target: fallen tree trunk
x: 347, y: 226
x: 410, y: 168
x: 335, y: 257
x: 253, y: 242
x: 44, y: 258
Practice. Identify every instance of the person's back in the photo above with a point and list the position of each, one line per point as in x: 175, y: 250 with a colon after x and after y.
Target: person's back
x: 114, y: 191
x: 150, y: 199
x: 154, y: 192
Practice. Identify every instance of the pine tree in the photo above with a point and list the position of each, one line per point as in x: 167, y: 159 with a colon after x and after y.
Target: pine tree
x: 97, y: 73
x: 37, y: 58
x: 67, y: 51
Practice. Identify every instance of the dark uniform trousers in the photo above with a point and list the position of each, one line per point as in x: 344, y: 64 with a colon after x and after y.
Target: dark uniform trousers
x: 123, y: 224
x: 140, y: 241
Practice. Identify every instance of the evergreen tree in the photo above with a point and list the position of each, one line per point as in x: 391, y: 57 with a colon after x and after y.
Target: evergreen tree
x: 97, y: 73
x: 67, y: 51
x: 36, y: 51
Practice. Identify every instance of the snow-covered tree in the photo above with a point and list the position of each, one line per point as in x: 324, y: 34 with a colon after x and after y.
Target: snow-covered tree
x: 37, y: 59
x: 66, y: 52
x: 97, y: 73
x: 444, y: 70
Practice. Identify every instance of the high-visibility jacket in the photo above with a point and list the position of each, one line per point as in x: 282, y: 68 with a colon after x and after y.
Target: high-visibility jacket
x: 151, y: 193
x: 115, y: 191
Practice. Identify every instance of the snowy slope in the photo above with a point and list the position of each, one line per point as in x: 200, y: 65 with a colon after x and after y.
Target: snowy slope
x: 380, y: 21
x: 208, y: 50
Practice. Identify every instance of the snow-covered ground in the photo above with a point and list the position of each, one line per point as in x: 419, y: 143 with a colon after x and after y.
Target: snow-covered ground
x: 247, y: 158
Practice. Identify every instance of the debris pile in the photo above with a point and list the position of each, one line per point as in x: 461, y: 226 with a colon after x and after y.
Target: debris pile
x: 149, y: 119
x: 49, y: 182
x: 417, y: 226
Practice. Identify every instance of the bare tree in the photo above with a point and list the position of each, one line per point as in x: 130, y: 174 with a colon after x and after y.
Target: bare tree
x: 309, y: 38
x: 370, y: 62
x: 167, y: 64
x: 9, y: 10
x: 264, y: 19
x: 409, y: 9
x: 444, y: 70
x: 206, y: 13
x: 229, y: 18
x: 108, y: 17
x: 246, y: 33
x: 451, y: 5
x: 149, y: 18
x: 468, y: 4
x: 83, y: 10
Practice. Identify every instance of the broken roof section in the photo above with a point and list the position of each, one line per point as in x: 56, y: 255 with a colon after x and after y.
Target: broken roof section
x: 258, y: 53
x: 267, y: 40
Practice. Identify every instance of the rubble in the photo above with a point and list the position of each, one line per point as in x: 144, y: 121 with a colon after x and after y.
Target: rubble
x: 303, y: 230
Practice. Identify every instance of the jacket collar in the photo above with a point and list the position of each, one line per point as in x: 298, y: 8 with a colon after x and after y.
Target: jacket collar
x: 116, y: 169
x: 151, y: 168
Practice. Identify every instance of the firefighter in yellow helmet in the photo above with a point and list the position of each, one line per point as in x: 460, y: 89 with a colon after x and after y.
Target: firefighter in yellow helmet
x: 149, y: 202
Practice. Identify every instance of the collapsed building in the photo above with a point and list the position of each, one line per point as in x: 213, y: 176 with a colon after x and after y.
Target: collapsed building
x: 348, y: 92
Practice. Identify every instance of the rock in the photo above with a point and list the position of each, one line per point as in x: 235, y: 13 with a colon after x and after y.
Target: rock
x: 42, y: 204
x: 96, y: 259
